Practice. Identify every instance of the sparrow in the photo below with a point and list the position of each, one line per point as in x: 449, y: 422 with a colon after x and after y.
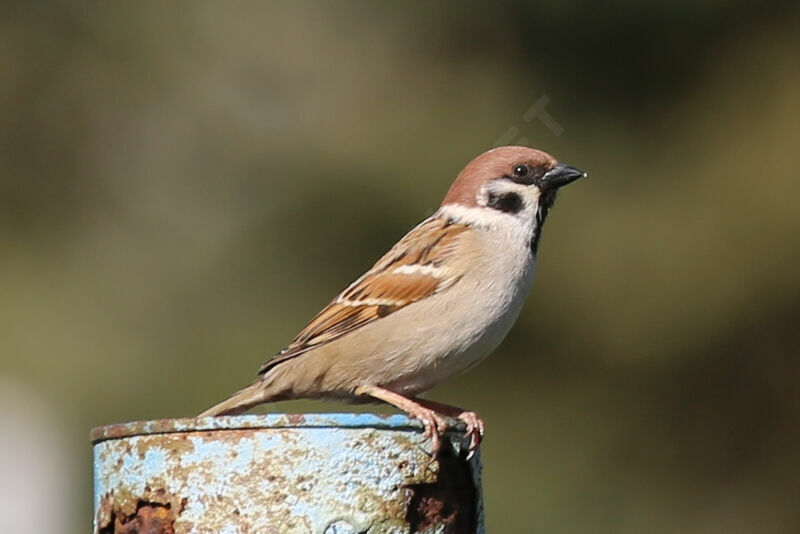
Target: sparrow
x: 435, y: 305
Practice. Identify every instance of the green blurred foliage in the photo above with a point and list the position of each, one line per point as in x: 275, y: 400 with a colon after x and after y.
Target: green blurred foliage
x: 183, y: 185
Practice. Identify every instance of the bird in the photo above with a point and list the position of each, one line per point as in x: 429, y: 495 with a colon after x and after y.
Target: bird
x: 435, y: 305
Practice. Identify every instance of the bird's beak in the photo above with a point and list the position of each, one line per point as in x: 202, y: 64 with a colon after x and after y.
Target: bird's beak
x: 560, y: 175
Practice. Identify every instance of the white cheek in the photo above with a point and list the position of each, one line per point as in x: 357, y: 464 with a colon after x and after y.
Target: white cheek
x: 530, y: 195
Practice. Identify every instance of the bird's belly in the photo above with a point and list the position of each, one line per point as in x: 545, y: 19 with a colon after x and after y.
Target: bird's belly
x: 437, y: 368
x: 460, y: 339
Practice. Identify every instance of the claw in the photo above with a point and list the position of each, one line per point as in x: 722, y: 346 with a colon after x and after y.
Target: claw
x: 475, y: 430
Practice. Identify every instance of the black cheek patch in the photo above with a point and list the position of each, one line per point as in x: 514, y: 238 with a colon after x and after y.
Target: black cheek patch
x: 505, y: 202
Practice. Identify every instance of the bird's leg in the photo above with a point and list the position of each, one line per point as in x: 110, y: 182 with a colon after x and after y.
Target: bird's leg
x: 475, y: 427
x: 434, y: 423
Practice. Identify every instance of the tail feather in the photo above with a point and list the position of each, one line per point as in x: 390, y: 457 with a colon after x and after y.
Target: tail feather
x: 241, y: 401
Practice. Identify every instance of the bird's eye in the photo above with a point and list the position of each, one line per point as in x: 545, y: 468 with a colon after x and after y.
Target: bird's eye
x: 520, y: 170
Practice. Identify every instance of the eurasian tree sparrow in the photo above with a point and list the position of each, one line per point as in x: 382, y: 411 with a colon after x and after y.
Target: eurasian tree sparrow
x: 435, y: 305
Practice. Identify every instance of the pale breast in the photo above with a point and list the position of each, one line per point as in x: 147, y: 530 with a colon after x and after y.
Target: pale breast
x: 450, y: 332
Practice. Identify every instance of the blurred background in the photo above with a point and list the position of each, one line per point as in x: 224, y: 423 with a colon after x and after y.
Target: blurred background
x: 183, y: 186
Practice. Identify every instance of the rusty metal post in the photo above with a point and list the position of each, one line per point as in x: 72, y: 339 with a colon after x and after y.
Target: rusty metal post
x: 277, y: 473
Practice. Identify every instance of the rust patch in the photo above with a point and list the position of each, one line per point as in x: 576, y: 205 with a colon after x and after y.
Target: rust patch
x: 296, y: 418
x: 448, y: 501
x: 149, y: 518
x: 153, y: 514
x: 178, y: 444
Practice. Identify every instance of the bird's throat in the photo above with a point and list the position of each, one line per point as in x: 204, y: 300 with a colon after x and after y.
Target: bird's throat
x: 546, y: 201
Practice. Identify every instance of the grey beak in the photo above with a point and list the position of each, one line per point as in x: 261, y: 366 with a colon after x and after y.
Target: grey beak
x: 560, y: 175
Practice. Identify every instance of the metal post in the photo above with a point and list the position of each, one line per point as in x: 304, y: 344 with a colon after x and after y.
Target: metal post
x: 280, y: 473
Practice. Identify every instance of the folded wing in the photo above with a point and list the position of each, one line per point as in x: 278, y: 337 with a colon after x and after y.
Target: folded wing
x: 418, y: 266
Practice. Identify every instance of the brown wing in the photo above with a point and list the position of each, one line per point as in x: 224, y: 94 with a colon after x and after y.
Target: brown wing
x: 415, y: 268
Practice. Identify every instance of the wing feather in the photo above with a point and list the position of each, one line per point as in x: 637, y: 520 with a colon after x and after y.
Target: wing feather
x: 415, y: 268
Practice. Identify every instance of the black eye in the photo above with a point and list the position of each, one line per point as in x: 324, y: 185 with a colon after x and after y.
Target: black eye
x: 520, y: 170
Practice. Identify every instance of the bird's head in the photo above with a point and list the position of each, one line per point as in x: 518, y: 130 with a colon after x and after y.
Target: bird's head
x: 517, y: 181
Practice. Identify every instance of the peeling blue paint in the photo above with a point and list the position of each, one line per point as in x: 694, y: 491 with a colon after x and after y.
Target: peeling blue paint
x: 318, y: 473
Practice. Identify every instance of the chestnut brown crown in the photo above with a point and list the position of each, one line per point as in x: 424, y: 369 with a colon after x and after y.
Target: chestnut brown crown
x: 493, y: 164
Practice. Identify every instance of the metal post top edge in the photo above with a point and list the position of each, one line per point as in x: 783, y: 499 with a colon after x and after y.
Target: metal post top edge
x: 266, y: 421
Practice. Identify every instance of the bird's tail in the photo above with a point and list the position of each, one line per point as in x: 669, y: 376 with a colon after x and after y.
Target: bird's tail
x: 256, y: 393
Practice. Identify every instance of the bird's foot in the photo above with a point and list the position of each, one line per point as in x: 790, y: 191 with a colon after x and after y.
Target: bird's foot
x: 431, y: 414
x: 434, y: 424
